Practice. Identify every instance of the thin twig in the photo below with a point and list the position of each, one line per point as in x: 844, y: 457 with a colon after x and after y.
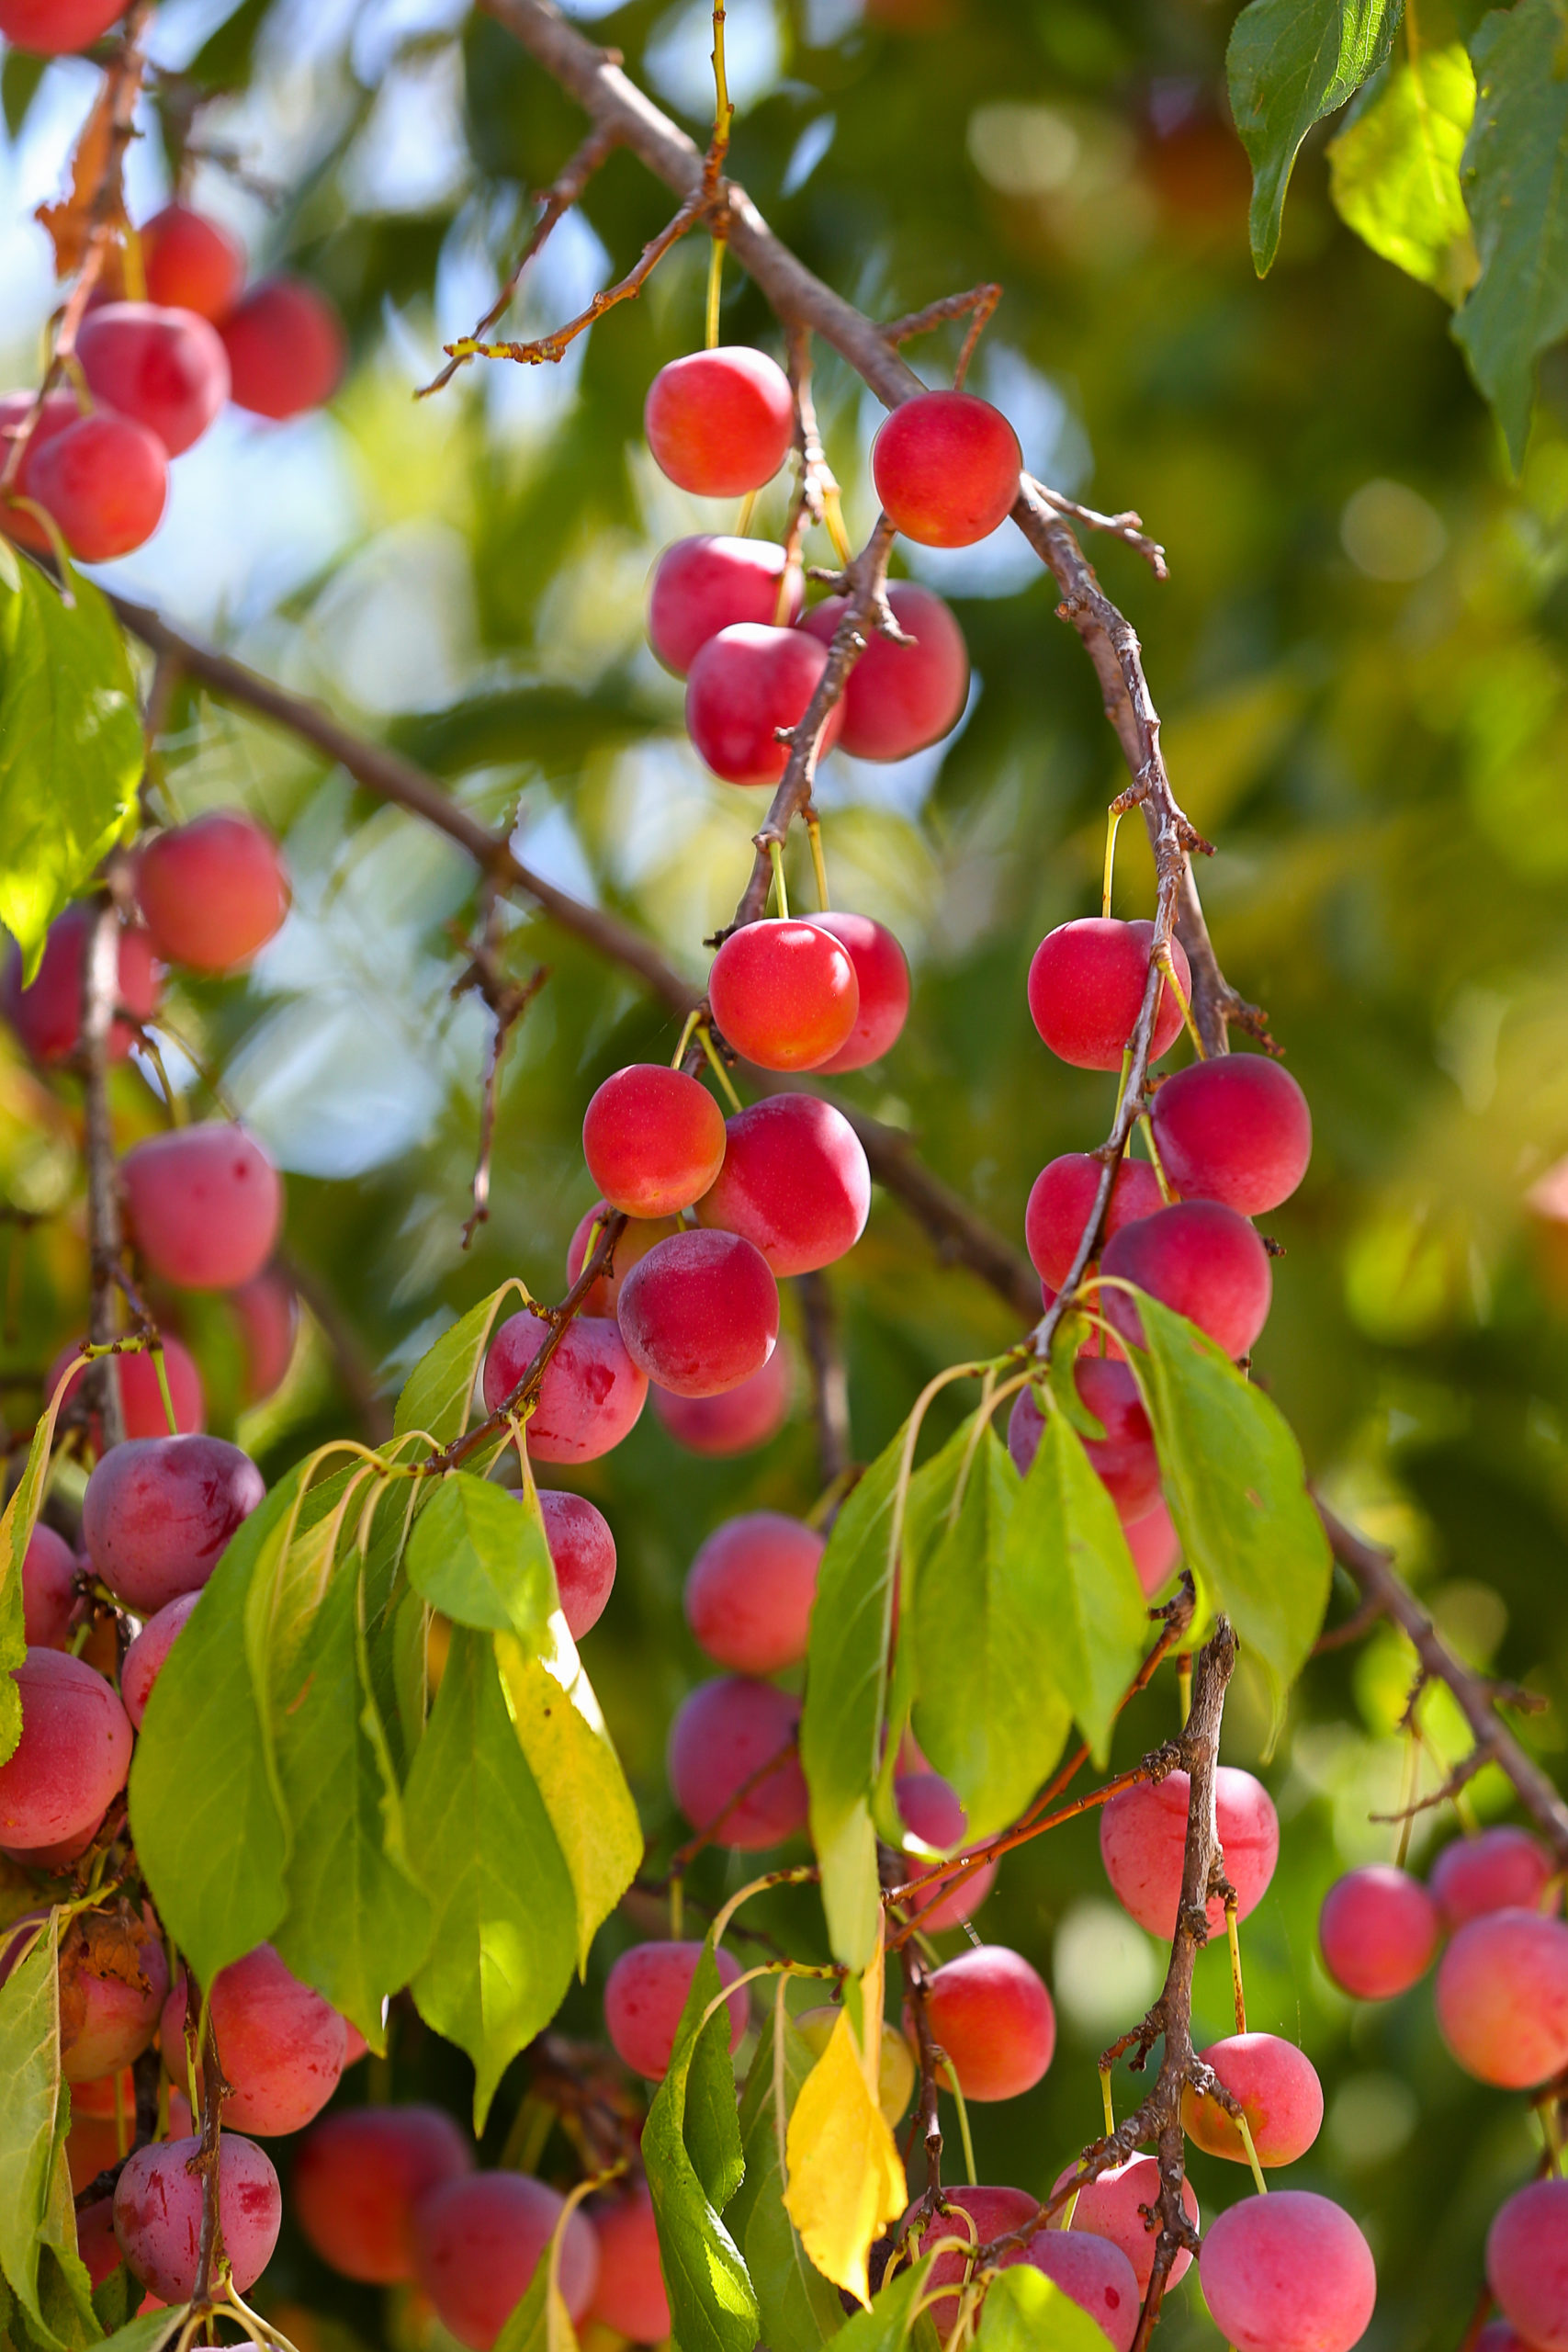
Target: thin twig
x: 100, y: 989
x: 205, y: 2164
x: 508, y: 1000
x: 976, y: 305
x: 1375, y: 1572
x: 551, y: 347
x: 555, y: 201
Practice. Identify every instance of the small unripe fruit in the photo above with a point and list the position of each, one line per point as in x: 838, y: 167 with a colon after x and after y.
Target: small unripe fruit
x: 720, y: 423
x: 946, y: 467
x: 1502, y: 1999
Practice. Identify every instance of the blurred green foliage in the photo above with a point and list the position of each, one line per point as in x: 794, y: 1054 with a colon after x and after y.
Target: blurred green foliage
x: 1361, y: 659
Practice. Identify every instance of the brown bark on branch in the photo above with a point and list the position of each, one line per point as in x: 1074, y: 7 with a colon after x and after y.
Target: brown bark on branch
x: 1386, y: 1590
x: 100, y: 991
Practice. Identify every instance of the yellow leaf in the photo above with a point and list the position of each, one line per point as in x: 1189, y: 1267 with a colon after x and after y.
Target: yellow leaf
x: 845, y: 2180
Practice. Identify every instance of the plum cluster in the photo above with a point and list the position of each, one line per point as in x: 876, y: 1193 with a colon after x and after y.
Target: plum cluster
x: 1501, y: 1996
x: 203, y: 1204
x: 727, y: 614
x: 1230, y: 1138
x: 172, y: 331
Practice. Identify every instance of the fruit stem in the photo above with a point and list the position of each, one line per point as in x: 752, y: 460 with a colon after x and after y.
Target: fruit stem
x: 1105, y: 2100
x: 819, y: 863
x: 704, y: 1037
x: 776, y: 853
x: 1166, y: 1190
x: 743, y: 527
x: 1112, y: 820
x: 1246, y: 2130
x: 1235, y: 1942
x: 715, y: 274
x: 1167, y: 966
x: 1184, y: 1683
x: 676, y: 1058
x: 156, y: 1353
x: 963, y: 2124
x: 677, y: 1906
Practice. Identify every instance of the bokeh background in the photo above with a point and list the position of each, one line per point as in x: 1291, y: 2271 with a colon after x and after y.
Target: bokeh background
x: 1360, y: 657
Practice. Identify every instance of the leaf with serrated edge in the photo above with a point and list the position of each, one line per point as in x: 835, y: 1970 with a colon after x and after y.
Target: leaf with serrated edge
x: 1290, y: 64
x: 479, y: 1555
x: 480, y: 1841
x: 845, y: 2179
x: 1237, y: 1486
x: 211, y: 1836
x: 70, y: 749
x: 712, y: 2306
x: 888, y: 2325
x: 438, y: 1392
x: 1516, y: 190
x: 573, y: 1758
x: 1026, y: 2311
x: 1066, y: 1560
x: 1394, y: 170
x: 846, y: 1682
x: 987, y: 1712
x: 800, y: 2308
x: 357, y: 1925
x: 38, y: 2226
x: 17, y: 1524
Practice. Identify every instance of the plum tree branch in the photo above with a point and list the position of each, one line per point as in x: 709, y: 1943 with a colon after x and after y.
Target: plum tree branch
x: 1387, y: 1594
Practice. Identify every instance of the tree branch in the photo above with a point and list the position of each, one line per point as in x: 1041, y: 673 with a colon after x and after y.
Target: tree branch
x: 1384, y: 1588
x: 830, y: 1389
x: 100, y: 991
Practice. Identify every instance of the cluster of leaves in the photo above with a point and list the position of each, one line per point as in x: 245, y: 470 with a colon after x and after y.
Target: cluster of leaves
x: 1448, y: 163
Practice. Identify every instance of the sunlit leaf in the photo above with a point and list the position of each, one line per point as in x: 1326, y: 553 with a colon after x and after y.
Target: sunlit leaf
x: 38, y: 2227
x: 845, y: 2178
x: 1394, y: 170
x: 481, y: 1557
x: 711, y: 2301
x: 1026, y: 2311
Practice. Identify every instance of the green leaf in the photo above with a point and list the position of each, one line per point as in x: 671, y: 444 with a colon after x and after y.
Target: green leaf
x: 38, y: 2226
x: 1237, y: 1486
x: 210, y: 1832
x: 20, y: 78
x: 479, y: 1555
x: 480, y: 1841
x: 885, y: 2326
x: 1026, y: 2311
x: 438, y: 1392
x: 1394, y: 170
x: 570, y: 1752
x: 1290, y: 64
x: 846, y: 1686
x: 528, y: 2326
x: 150, y: 2332
x: 70, y: 749
x: 710, y: 2126
x: 1515, y: 176
x: 712, y: 2306
x: 118, y: 2299
x: 357, y: 1925
x: 800, y: 2308
x: 17, y: 1524
x: 987, y: 1712
x: 1064, y: 1554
